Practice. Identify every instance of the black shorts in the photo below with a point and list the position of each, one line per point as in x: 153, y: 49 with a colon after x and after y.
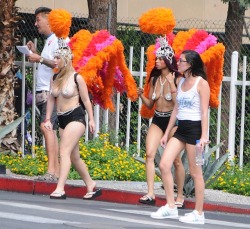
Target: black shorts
x: 161, y: 119
x: 76, y: 115
x: 42, y: 109
x: 188, y: 131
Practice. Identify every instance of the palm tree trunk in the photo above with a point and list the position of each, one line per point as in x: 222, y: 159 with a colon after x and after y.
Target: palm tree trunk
x: 8, y: 25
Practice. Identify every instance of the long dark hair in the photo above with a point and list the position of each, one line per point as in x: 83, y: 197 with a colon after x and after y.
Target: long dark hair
x: 197, y: 65
x: 155, y: 73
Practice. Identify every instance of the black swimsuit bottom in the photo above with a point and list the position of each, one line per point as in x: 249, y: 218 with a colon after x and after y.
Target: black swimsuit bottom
x: 76, y: 115
x: 161, y: 119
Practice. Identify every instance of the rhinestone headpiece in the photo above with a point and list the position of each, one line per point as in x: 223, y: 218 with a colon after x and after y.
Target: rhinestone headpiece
x: 165, y: 49
x: 63, y: 49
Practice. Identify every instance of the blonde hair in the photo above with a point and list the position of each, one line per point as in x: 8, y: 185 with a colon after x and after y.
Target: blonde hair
x: 66, y: 69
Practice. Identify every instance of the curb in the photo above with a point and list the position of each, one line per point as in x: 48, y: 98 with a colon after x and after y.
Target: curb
x: 116, y: 196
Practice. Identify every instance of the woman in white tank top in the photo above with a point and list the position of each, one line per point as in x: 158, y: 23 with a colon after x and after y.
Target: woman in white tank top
x: 191, y: 110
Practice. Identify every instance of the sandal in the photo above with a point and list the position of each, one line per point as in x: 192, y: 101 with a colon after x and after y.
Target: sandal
x: 147, y: 200
x: 47, y: 177
x: 58, y: 195
x: 92, y: 195
x: 180, y: 205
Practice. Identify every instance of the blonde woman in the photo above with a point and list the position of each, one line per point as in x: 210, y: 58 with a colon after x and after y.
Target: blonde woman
x: 66, y: 90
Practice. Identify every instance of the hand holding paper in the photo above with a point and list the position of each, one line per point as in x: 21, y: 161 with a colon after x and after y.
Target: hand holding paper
x: 24, y: 49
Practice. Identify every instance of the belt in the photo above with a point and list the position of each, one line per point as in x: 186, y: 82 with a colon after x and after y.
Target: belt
x: 38, y: 92
x: 163, y: 114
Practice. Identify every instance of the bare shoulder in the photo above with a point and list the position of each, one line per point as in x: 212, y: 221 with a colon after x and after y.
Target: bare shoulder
x: 203, y: 83
x: 79, y: 78
x: 178, y: 79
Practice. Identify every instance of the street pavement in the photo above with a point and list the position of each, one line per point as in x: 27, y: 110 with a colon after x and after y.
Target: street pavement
x: 124, y: 192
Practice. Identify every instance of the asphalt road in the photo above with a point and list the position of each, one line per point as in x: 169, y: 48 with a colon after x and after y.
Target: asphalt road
x: 26, y: 211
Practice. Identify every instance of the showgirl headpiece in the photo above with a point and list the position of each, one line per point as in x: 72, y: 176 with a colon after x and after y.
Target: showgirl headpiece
x: 60, y: 22
x: 165, y: 50
x: 211, y: 52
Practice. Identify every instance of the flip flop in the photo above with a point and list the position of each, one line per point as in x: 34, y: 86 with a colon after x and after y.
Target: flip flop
x: 57, y: 195
x: 180, y: 205
x: 147, y: 200
x: 92, y: 195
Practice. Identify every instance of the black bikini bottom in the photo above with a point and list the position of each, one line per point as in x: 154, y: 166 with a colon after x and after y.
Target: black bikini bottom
x: 161, y: 119
x: 76, y: 115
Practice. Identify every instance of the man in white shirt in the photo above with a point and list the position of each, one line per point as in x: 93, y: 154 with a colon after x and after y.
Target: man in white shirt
x: 43, y: 75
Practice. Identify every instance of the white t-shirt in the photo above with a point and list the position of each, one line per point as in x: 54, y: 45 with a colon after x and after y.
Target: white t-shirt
x: 188, y: 102
x: 44, y: 73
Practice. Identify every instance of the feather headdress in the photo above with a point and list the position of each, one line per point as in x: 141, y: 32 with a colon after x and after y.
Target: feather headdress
x: 60, y: 22
x: 100, y: 60
x: 212, y: 53
x: 157, y: 21
x: 97, y: 57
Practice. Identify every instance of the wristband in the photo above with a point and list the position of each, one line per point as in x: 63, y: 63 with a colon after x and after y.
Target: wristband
x: 46, y: 120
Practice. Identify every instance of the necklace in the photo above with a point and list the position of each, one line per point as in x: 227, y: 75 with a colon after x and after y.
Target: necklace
x: 168, y: 95
x: 162, y: 84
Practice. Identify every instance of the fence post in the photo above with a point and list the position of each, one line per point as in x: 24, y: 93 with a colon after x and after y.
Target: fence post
x: 117, y: 116
x: 23, y: 100
x: 232, y: 109
x: 140, y: 103
x: 242, y: 126
x: 96, y: 117
x: 129, y: 101
x: 33, y: 124
x: 106, y: 119
x: 218, y: 125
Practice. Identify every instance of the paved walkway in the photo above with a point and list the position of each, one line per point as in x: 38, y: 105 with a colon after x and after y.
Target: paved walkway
x: 125, y: 192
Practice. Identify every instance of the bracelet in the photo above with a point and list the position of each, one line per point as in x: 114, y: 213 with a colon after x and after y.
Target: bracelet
x: 172, y: 92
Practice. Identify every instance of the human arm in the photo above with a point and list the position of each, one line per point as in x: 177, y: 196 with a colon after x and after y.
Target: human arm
x: 31, y: 46
x: 173, y: 89
x: 34, y: 57
x: 49, y: 109
x: 149, y: 103
x: 204, y: 92
x: 83, y: 92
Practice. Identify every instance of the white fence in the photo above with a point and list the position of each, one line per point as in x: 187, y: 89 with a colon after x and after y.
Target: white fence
x: 234, y: 83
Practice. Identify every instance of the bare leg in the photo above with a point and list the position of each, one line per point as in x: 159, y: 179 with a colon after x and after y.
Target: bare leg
x: 69, y: 140
x: 179, y: 173
x: 51, y: 144
x: 172, y: 150
x: 82, y: 169
x: 197, y: 175
x: 152, y: 142
x: 180, y: 178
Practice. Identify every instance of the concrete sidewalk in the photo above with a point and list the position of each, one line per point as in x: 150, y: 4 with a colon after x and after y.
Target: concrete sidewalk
x: 124, y: 192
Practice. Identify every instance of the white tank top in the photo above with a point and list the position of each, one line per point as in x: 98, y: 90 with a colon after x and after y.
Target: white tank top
x: 188, y: 102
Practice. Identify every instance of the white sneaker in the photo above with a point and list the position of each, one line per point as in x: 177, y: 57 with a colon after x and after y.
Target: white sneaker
x: 194, y: 218
x: 165, y: 212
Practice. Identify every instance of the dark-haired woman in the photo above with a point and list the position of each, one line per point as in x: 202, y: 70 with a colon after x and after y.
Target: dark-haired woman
x: 163, y: 80
x: 191, y: 110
